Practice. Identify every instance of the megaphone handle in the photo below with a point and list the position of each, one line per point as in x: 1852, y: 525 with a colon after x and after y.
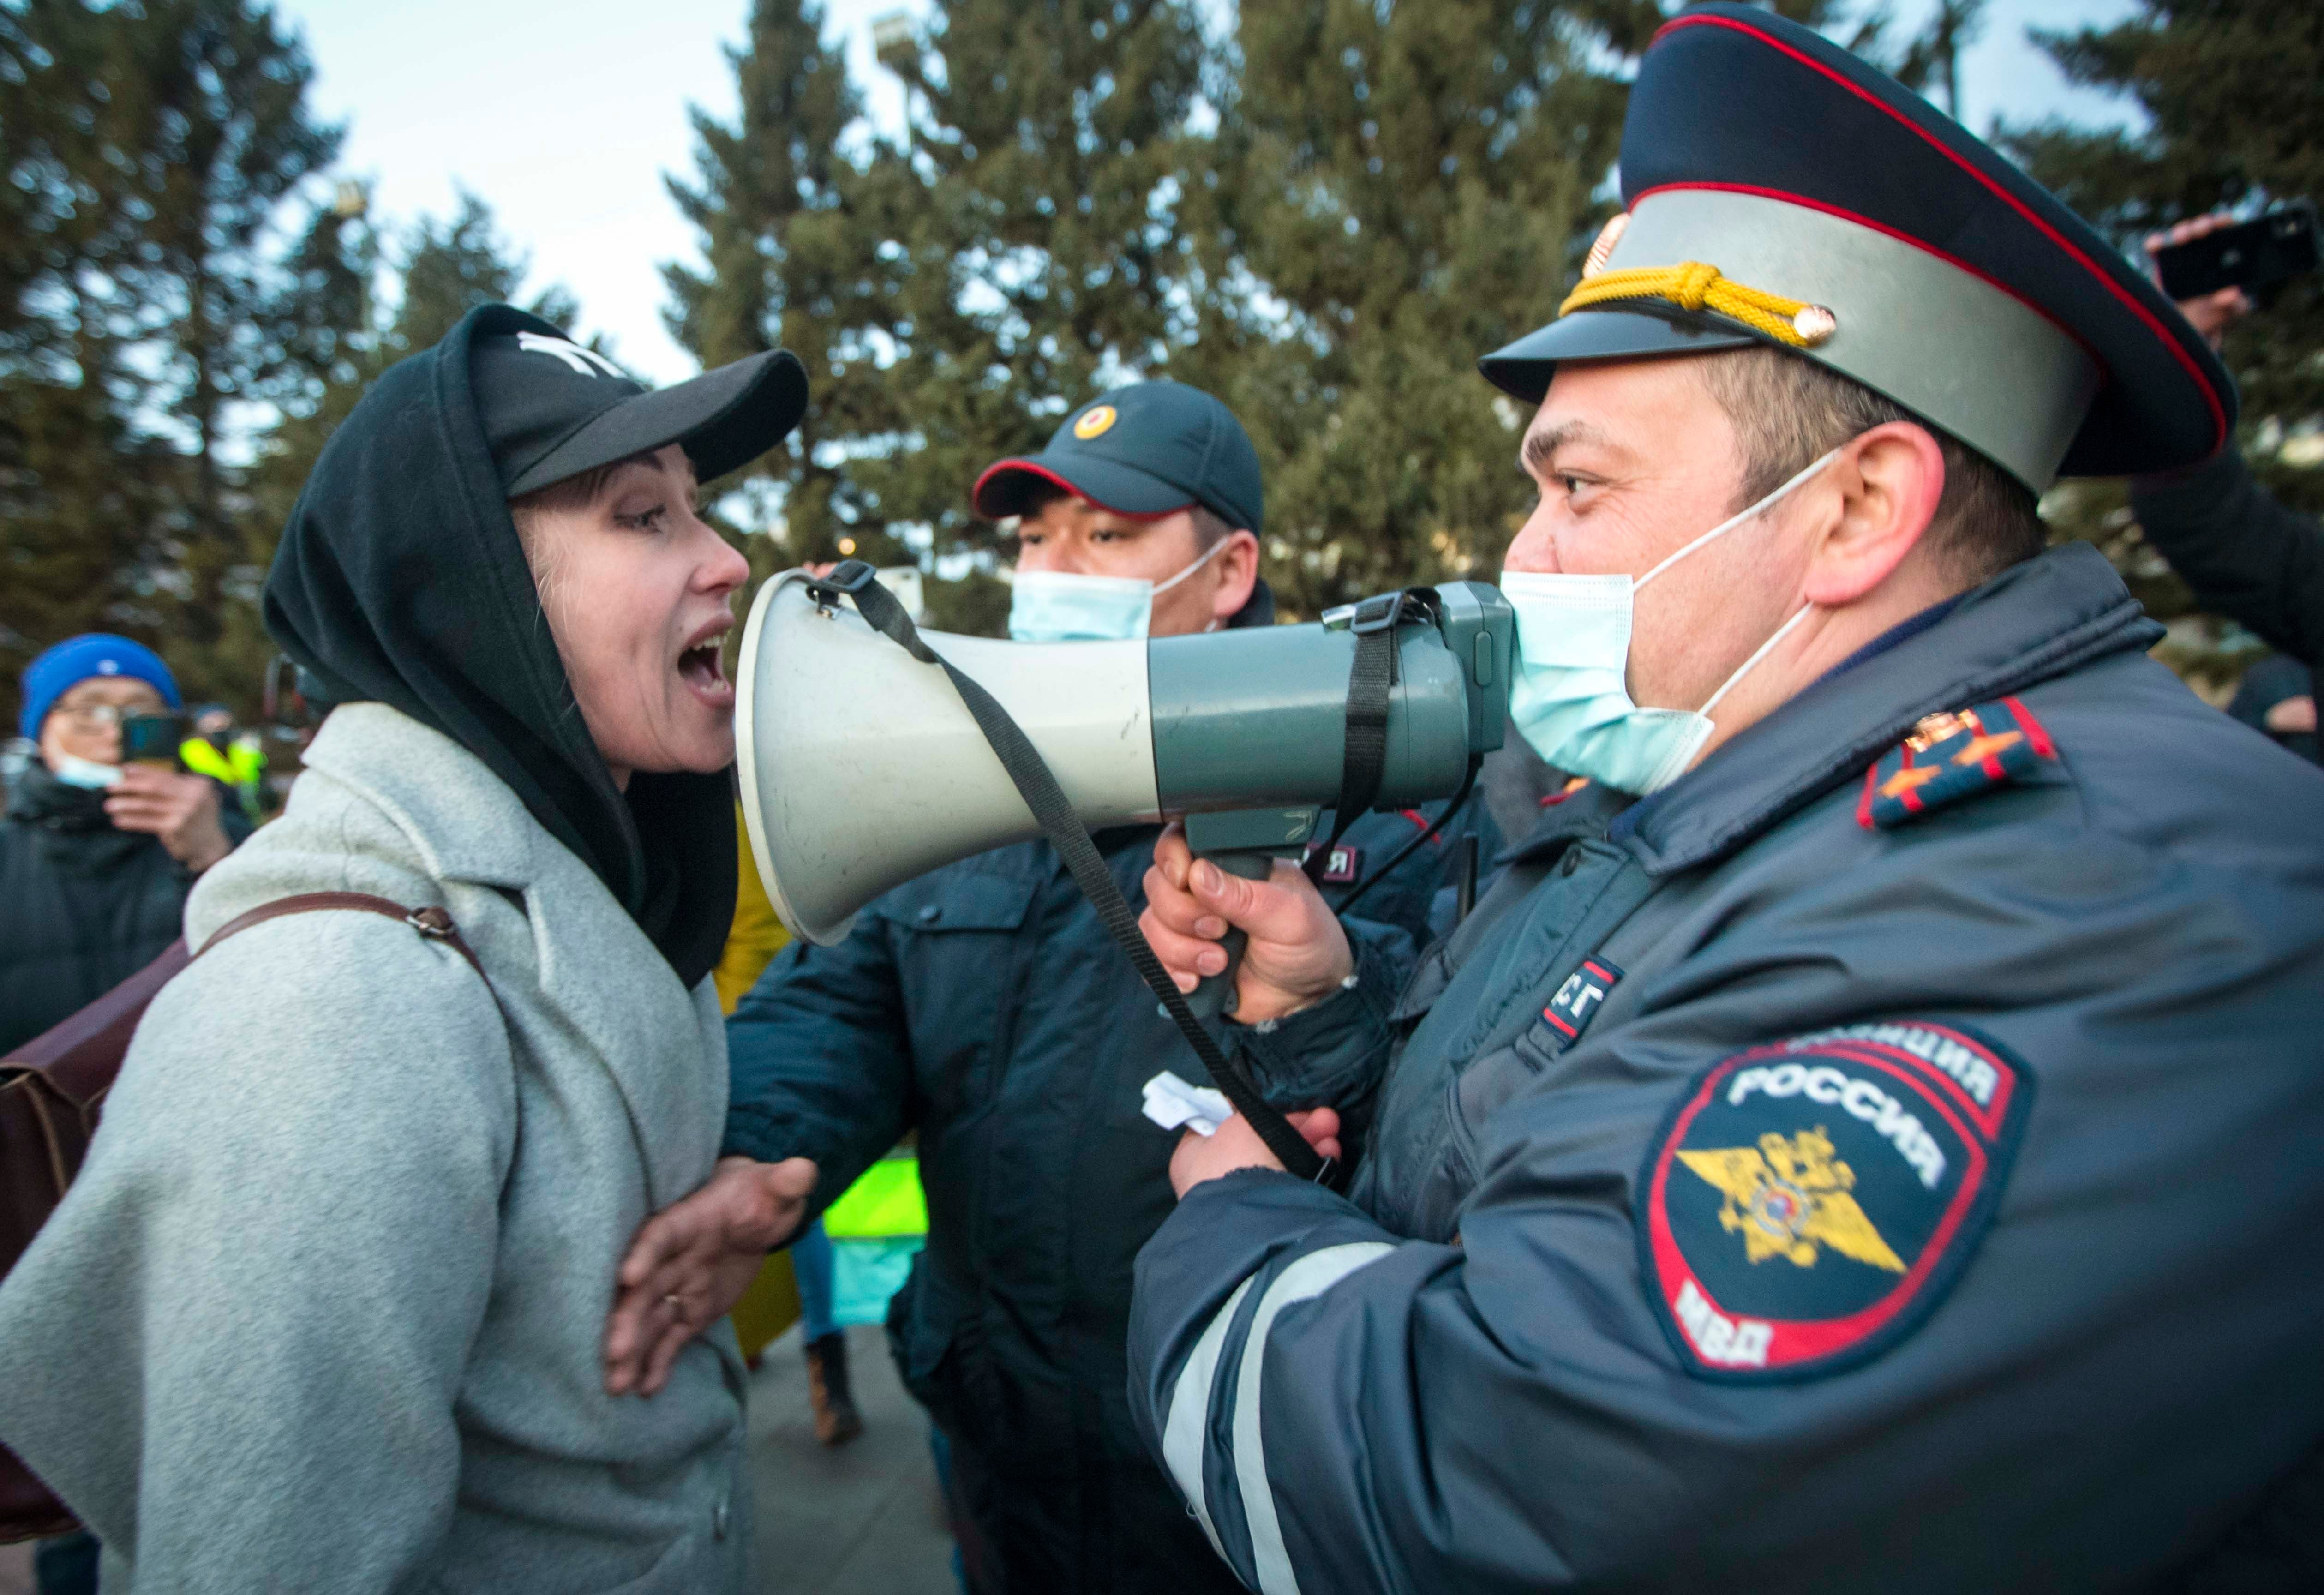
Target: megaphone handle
x: 1215, y: 995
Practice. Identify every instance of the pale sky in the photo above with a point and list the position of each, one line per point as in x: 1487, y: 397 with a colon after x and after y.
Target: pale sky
x: 564, y: 118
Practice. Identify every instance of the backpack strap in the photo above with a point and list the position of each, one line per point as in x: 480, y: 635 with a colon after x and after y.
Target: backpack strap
x: 432, y: 923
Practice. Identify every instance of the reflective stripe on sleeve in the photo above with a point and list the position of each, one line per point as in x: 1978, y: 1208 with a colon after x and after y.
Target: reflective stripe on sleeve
x: 1311, y: 1276
x: 1190, y: 1412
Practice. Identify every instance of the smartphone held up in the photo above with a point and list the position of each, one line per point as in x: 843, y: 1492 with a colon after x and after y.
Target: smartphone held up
x: 2258, y: 256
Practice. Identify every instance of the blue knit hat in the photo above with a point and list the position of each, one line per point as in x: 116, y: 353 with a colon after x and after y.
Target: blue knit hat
x: 78, y: 659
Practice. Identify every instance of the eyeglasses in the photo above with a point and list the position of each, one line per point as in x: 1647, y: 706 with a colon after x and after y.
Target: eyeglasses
x: 96, y: 716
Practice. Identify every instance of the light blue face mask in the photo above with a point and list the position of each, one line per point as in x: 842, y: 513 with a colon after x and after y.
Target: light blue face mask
x: 1057, y: 607
x: 85, y: 772
x: 1570, y: 698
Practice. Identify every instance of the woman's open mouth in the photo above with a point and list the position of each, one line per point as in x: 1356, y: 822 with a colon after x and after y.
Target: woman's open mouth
x: 704, y: 669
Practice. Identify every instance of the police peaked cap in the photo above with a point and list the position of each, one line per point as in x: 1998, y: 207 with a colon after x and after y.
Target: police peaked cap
x: 1778, y: 191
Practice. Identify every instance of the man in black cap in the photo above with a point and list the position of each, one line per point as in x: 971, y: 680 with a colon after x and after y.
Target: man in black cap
x: 985, y: 1006
x: 1866, y: 1140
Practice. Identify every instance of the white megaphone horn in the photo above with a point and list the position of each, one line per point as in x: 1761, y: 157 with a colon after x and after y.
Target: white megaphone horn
x: 860, y: 767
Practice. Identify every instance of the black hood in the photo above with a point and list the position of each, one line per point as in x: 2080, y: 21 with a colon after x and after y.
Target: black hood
x: 400, y: 580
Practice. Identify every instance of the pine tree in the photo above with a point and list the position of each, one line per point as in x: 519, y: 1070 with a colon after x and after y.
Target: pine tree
x: 1393, y: 192
x: 791, y: 264
x: 955, y: 291
x: 443, y: 269
x: 2233, y: 119
x: 1048, y: 143
x: 150, y: 322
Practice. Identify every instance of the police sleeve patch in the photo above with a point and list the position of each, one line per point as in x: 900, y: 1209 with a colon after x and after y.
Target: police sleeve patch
x: 1807, y: 1204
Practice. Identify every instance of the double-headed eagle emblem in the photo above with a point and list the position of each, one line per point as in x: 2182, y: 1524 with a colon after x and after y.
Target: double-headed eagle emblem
x: 1789, y: 1194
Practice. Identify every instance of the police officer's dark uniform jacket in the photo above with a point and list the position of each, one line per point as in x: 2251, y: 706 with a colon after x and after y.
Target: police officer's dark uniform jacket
x: 984, y: 1005
x: 1883, y: 1159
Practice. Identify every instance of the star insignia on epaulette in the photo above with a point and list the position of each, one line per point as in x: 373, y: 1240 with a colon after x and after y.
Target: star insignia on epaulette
x: 1951, y: 756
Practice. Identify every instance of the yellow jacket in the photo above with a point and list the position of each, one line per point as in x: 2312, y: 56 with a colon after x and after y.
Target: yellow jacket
x: 757, y: 934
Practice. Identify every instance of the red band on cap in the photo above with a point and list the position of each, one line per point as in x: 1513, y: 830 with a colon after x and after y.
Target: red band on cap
x: 976, y: 493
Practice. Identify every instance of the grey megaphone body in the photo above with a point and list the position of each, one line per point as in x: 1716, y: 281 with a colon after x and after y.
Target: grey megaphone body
x: 862, y: 768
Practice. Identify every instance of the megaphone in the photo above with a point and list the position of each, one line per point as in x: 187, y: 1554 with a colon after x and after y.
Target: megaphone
x: 862, y: 768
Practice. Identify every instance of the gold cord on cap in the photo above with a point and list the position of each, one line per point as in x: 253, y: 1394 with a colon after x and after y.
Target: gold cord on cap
x: 1691, y: 285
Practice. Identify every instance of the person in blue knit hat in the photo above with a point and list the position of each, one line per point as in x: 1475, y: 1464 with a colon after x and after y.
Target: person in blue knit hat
x: 97, y: 855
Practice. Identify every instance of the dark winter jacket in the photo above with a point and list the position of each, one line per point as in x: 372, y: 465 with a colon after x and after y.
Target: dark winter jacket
x: 1898, y: 1179
x: 2248, y: 556
x: 83, y: 906
x: 984, y: 1005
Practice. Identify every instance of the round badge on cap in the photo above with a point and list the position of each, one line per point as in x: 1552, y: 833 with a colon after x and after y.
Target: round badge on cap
x: 1145, y: 449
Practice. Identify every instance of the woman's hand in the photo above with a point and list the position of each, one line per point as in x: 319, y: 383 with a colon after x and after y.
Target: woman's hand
x: 1298, y: 954
x: 692, y: 1261
x: 1236, y: 1145
x: 180, y: 809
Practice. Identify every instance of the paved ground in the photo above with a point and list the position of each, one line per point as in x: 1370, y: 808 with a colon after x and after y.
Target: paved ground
x: 864, y: 1519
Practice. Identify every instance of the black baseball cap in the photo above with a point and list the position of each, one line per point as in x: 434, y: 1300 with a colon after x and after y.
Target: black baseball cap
x: 553, y: 409
x: 1143, y: 450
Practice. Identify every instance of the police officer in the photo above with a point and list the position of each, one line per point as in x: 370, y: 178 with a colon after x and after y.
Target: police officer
x: 985, y: 1006
x: 1866, y: 1140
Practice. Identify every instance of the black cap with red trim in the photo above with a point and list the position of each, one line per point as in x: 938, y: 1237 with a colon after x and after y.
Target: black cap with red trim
x: 1147, y: 450
x: 1780, y: 191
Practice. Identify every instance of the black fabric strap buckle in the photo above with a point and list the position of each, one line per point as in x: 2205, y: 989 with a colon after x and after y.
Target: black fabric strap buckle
x: 1380, y: 613
x: 846, y: 580
x: 1371, y: 681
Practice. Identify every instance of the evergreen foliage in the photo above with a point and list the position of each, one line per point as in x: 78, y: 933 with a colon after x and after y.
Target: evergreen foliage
x: 1087, y: 193
x: 153, y: 150
x: 1323, y: 213
x: 954, y: 290
x: 1323, y: 217
x: 444, y: 269
x: 2233, y: 119
x: 1393, y: 191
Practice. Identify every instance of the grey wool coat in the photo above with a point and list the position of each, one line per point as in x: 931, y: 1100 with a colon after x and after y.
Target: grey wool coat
x: 323, y: 1312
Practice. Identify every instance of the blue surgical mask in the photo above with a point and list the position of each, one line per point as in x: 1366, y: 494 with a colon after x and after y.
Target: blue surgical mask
x: 85, y: 772
x: 1570, y: 698
x: 1056, y: 606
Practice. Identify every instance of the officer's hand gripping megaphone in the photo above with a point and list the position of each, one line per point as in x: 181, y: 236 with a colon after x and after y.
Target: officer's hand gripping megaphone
x: 860, y: 767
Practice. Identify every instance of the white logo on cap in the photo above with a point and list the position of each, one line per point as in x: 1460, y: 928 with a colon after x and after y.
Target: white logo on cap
x: 566, y: 350
x: 108, y: 667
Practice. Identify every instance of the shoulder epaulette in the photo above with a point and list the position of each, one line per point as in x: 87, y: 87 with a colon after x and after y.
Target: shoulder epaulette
x: 1949, y: 757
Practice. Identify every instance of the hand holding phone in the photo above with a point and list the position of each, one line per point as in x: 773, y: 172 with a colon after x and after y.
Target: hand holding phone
x: 2214, y: 267
x: 180, y: 810
x: 2254, y: 255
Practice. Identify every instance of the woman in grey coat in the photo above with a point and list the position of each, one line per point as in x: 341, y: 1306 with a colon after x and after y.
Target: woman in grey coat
x: 322, y: 1310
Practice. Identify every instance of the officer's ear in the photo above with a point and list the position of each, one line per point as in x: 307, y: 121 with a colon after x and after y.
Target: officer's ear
x: 1879, y: 498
